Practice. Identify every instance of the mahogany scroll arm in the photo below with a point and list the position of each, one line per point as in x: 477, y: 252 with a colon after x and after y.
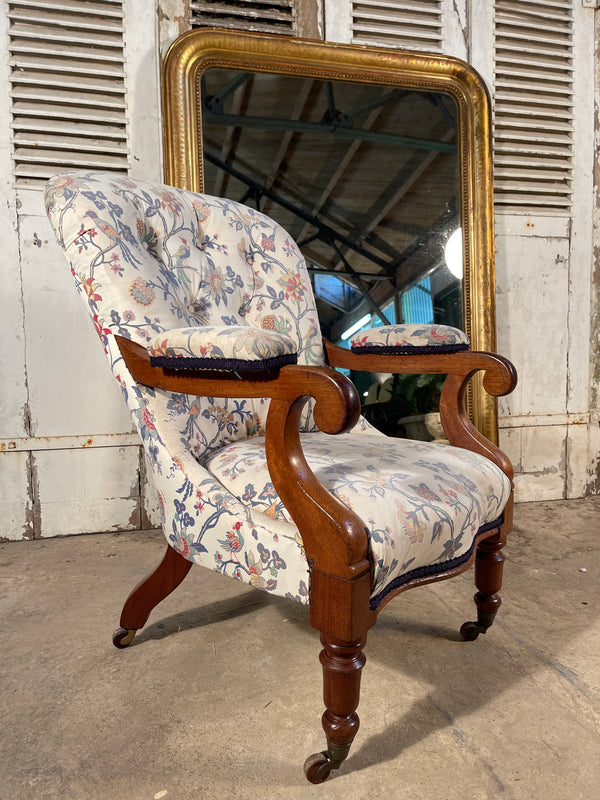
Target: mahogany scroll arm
x: 334, y: 538
x: 500, y: 378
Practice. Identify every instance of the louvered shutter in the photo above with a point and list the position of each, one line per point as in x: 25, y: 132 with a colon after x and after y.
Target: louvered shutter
x: 533, y: 105
x: 411, y: 24
x: 268, y: 16
x: 68, y: 87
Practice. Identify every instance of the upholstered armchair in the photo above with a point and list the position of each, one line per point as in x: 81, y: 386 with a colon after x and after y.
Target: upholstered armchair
x: 264, y: 470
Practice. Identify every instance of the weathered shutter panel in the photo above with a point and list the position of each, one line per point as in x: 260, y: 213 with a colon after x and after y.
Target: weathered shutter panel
x: 268, y: 16
x: 533, y: 105
x: 67, y: 87
x: 411, y: 24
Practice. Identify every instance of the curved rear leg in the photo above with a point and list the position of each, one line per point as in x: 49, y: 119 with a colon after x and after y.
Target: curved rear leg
x: 149, y: 593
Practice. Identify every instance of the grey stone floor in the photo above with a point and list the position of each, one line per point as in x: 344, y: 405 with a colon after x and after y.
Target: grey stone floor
x: 220, y: 696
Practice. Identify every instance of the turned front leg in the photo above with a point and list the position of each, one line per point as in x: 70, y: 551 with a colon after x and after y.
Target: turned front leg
x: 489, y: 563
x: 342, y: 664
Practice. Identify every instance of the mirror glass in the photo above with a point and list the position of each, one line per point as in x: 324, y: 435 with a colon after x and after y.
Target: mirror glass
x: 365, y: 178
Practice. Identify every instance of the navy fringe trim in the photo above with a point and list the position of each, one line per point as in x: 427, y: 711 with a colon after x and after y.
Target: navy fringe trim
x: 407, y: 349
x: 223, y: 364
x: 433, y: 569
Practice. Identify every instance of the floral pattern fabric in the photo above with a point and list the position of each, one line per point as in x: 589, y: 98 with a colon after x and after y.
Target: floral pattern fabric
x: 151, y: 259
x: 223, y: 347
x: 422, y: 503
x: 410, y: 338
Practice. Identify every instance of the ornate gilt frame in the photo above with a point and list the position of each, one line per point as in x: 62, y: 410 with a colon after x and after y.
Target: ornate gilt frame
x: 200, y: 49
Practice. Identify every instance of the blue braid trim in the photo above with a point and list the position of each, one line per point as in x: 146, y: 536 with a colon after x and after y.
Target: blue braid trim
x: 433, y: 569
x: 223, y: 364
x: 406, y: 349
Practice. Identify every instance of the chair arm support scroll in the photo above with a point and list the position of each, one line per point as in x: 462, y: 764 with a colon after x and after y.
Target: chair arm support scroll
x: 500, y: 378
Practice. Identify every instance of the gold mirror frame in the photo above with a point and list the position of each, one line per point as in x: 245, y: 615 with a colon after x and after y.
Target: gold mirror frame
x: 200, y: 49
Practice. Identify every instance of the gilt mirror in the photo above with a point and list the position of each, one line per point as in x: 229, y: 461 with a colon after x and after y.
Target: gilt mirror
x: 377, y: 162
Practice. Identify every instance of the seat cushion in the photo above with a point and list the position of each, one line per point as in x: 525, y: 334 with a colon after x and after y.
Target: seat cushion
x: 421, y: 503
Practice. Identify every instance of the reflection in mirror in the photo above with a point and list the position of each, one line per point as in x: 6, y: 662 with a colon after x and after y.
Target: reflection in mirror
x: 365, y: 177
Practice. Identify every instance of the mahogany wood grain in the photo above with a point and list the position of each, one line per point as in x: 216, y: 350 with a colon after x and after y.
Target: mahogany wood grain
x: 154, y: 588
x: 342, y: 666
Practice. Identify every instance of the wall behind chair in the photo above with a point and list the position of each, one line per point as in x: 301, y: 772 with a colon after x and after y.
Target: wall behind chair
x: 69, y: 462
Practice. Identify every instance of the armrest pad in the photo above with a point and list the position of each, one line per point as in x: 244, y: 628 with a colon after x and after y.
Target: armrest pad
x: 222, y: 347
x: 413, y: 338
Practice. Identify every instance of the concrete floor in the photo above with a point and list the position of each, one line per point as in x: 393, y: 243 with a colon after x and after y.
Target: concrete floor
x: 219, y: 697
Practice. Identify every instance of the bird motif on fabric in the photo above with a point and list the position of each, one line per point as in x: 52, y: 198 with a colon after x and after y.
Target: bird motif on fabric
x: 106, y: 228
x: 181, y: 265
x: 234, y: 541
x: 115, y: 238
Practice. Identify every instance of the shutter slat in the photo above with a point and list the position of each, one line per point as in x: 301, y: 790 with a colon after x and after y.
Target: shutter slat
x: 58, y: 21
x: 526, y: 172
x: 83, y: 36
x: 67, y: 87
x: 42, y: 141
x: 517, y: 124
x: 62, y: 96
x: 68, y: 127
x: 66, y: 157
x: 520, y: 71
x: 516, y: 98
x: 522, y: 87
x: 35, y: 111
x: 66, y: 82
x: 532, y: 29
x: 71, y: 65
x: 398, y: 18
x: 540, y: 202
x: 535, y: 136
x: 514, y: 50
x: 106, y: 7
x: 26, y: 48
x: 535, y: 160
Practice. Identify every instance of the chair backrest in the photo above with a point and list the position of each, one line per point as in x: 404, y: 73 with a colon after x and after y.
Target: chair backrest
x: 149, y: 258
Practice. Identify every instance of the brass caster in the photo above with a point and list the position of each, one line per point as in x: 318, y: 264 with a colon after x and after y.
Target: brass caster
x: 123, y: 637
x: 470, y: 631
x: 317, y: 768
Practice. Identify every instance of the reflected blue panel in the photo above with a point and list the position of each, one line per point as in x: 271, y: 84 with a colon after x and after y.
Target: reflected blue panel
x: 417, y: 305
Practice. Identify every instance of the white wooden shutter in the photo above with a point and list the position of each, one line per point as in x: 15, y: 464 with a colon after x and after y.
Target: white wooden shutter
x: 533, y: 117
x: 268, y: 16
x: 411, y: 24
x: 68, y: 87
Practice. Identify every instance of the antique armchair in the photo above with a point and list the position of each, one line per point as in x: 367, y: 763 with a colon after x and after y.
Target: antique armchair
x: 206, y: 314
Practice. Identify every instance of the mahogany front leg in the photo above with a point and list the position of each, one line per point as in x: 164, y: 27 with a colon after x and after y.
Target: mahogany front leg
x: 489, y: 564
x: 342, y: 665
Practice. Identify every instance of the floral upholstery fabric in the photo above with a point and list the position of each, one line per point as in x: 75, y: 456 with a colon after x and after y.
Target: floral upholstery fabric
x: 228, y: 347
x: 422, y: 503
x: 150, y: 261
x: 410, y: 338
